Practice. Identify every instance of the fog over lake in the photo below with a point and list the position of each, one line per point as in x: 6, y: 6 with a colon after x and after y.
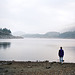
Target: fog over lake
x: 33, y: 49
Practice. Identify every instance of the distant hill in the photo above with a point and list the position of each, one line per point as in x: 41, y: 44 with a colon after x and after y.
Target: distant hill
x: 46, y: 35
x: 52, y: 34
x: 18, y: 33
x: 33, y: 35
x: 7, y: 34
x: 70, y: 34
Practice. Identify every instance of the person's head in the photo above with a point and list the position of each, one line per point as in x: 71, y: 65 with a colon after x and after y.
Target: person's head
x: 61, y: 48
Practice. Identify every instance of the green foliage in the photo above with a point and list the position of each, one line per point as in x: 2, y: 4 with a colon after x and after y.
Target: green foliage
x: 5, y: 31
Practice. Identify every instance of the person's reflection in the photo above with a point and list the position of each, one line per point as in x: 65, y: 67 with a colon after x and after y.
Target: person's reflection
x: 4, y: 45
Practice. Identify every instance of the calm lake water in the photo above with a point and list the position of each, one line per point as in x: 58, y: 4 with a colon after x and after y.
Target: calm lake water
x: 33, y: 49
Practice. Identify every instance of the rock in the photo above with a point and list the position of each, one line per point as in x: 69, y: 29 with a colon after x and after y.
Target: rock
x: 48, y: 67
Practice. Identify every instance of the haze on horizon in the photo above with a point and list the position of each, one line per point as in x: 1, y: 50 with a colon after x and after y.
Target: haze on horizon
x: 37, y: 16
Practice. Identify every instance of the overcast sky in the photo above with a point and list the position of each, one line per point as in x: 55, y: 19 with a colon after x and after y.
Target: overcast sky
x: 37, y: 16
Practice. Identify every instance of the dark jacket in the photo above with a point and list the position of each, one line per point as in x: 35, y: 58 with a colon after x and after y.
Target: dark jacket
x: 61, y: 53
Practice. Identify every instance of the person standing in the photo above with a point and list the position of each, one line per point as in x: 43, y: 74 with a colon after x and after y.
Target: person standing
x: 61, y: 54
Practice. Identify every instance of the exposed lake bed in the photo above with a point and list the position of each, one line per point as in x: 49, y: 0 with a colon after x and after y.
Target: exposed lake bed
x: 36, y: 68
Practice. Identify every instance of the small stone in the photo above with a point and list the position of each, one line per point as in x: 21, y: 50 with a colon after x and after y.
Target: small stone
x: 48, y: 67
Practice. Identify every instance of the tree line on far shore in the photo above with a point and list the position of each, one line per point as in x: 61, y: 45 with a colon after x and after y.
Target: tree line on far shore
x: 5, y: 31
x: 69, y: 34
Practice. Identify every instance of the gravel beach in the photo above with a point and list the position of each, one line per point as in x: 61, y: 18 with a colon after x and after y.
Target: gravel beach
x: 36, y: 68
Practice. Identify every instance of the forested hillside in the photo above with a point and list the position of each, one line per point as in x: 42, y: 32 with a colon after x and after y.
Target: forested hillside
x: 67, y: 35
x: 6, y: 34
x: 5, y: 31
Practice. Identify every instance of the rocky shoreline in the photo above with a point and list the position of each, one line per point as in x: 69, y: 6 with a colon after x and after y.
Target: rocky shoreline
x: 36, y: 68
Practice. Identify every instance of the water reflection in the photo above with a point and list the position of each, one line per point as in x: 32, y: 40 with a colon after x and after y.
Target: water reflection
x: 72, y: 48
x: 4, y: 45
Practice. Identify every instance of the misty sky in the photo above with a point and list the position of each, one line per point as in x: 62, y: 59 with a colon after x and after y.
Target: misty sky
x: 37, y: 16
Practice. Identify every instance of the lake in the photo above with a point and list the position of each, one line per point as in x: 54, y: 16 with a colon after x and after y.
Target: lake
x: 33, y: 49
